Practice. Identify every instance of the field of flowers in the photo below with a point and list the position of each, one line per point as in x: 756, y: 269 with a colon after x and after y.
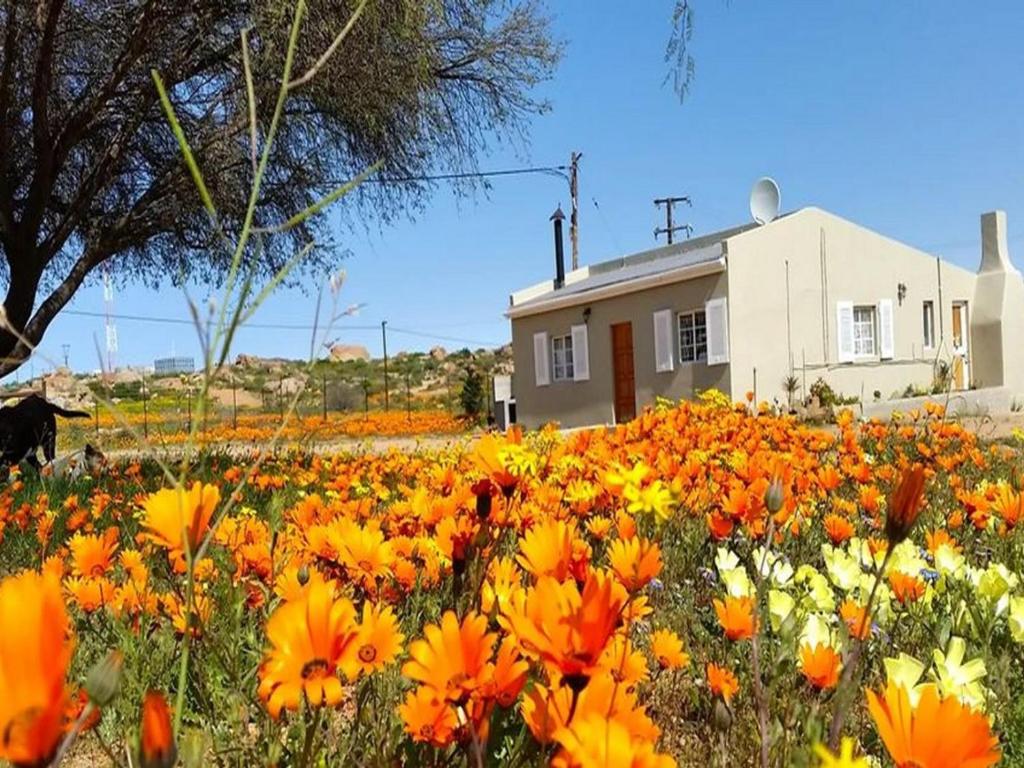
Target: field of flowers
x: 702, y: 586
x: 120, y: 430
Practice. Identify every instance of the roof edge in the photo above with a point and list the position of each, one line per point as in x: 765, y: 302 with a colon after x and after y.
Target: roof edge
x: 612, y: 290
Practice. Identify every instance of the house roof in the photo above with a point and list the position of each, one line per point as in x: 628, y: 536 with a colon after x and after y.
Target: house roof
x: 627, y: 272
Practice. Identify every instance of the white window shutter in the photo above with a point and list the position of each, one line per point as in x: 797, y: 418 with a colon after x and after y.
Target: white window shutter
x: 664, y: 353
x: 844, y: 329
x: 717, y: 318
x: 580, y: 354
x: 541, y: 370
x: 887, y: 345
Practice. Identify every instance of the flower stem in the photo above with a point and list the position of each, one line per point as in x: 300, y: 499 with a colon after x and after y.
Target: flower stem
x: 311, y: 729
x: 844, y: 692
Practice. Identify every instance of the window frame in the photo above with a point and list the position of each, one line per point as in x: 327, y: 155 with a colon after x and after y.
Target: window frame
x: 928, y: 323
x: 858, y: 326
x: 562, y: 369
x: 696, y: 344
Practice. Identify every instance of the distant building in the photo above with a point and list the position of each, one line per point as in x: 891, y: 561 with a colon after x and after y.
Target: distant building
x: 168, y: 365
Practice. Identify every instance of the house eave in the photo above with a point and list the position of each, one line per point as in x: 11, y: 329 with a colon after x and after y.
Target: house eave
x: 668, y: 277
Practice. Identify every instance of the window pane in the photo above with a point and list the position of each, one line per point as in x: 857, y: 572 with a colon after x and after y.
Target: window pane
x: 686, y: 321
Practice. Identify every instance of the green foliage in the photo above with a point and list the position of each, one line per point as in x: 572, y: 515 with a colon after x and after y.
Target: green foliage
x: 94, y: 174
x: 471, y: 396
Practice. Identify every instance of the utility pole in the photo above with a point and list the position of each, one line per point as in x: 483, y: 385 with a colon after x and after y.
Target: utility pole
x: 67, y: 351
x: 669, y: 229
x: 384, y: 338
x: 574, y: 194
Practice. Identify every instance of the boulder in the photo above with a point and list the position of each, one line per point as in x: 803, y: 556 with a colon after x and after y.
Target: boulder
x: 288, y: 386
x: 438, y: 353
x: 342, y: 353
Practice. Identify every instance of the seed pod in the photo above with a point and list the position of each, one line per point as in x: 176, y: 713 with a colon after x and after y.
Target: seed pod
x: 104, y: 679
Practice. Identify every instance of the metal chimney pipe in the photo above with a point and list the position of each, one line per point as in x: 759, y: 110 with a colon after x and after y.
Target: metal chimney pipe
x: 558, y: 217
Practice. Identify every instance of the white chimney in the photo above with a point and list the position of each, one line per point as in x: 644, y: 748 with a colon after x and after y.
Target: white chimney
x: 995, y: 255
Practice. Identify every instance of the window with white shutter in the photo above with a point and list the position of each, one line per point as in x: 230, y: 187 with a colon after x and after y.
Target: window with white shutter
x: 844, y: 330
x: 561, y: 358
x: 664, y: 354
x: 693, y: 336
x: 580, y: 353
x: 886, y: 333
x: 717, y: 316
x: 540, y: 359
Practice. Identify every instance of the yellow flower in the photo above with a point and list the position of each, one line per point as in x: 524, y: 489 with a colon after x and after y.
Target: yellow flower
x: 958, y: 679
x: 844, y: 759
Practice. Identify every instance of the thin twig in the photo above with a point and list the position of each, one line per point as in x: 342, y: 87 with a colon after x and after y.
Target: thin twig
x: 325, y: 57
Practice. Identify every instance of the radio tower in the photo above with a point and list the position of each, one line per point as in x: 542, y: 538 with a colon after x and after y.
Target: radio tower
x: 108, y: 306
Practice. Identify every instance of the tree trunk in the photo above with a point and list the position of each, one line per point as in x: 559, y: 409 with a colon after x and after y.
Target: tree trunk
x: 21, y: 294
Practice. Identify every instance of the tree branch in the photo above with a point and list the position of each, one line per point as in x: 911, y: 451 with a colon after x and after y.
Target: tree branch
x: 47, y: 311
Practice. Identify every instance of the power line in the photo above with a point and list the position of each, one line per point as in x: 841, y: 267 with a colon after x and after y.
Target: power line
x: 549, y: 169
x: 282, y: 326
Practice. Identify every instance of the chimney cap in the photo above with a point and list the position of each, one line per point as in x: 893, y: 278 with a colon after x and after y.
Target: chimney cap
x: 557, y: 215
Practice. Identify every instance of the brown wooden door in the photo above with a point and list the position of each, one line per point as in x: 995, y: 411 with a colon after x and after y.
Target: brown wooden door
x: 622, y: 369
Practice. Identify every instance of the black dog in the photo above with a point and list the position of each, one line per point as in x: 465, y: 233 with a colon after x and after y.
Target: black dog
x: 28, y: 426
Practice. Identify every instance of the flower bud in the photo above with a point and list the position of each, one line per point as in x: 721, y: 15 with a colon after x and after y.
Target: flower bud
x: 303, y: 575
x: 104, y: 679
x: 905, y: 505
x: 156, y: 742
x: 721, y: 716
x: 774, y: 496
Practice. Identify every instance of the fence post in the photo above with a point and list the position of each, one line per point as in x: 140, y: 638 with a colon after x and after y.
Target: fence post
x: 234, y: 403
x: 145, y: 409
x: 323, y: 381
x: 280, y: 397
x: 188, y: 403
x: 96, y: 407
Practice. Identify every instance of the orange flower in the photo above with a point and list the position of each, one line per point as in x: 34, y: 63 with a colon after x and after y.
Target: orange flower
x: 156, y: 743
x: 722, y: 682
x: 377, y: 643
x: 1009, y: 505
x: 667, y: 649
x: 92, y: 555
x: 635, y: 561
x: 566, y: 629
x: 509, y: 674
x: 546, y: 710
x: 820, y: 665
x: 34, y: 657
x: 176, y: 518
x: 905, y: 504
x: 311, y: 638
x: 937, y: 733
x: 907, y: 588
x: 838, y: 528
x: 547, y: 549
x: 939, y: 537
x: 452, y: 659
x: 855, y: 617
x: 428, y: 717
x: 736, y: 616
x: 596, y: 740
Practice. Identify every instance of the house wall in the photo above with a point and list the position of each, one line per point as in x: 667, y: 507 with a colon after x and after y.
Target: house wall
x: 581, y: 403
x: 827, y: 260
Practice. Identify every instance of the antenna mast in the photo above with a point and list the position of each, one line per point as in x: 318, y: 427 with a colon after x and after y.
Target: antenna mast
x: 111, y: 329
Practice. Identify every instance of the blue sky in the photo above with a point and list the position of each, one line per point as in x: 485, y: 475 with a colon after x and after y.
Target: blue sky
x: 907, y: 118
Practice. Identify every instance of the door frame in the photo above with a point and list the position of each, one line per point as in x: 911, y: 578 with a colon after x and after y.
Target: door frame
x: 615, y: 370
x: 964, y: 350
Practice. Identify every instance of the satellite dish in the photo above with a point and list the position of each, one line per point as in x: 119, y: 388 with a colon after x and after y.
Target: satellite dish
x: 764, y: 200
